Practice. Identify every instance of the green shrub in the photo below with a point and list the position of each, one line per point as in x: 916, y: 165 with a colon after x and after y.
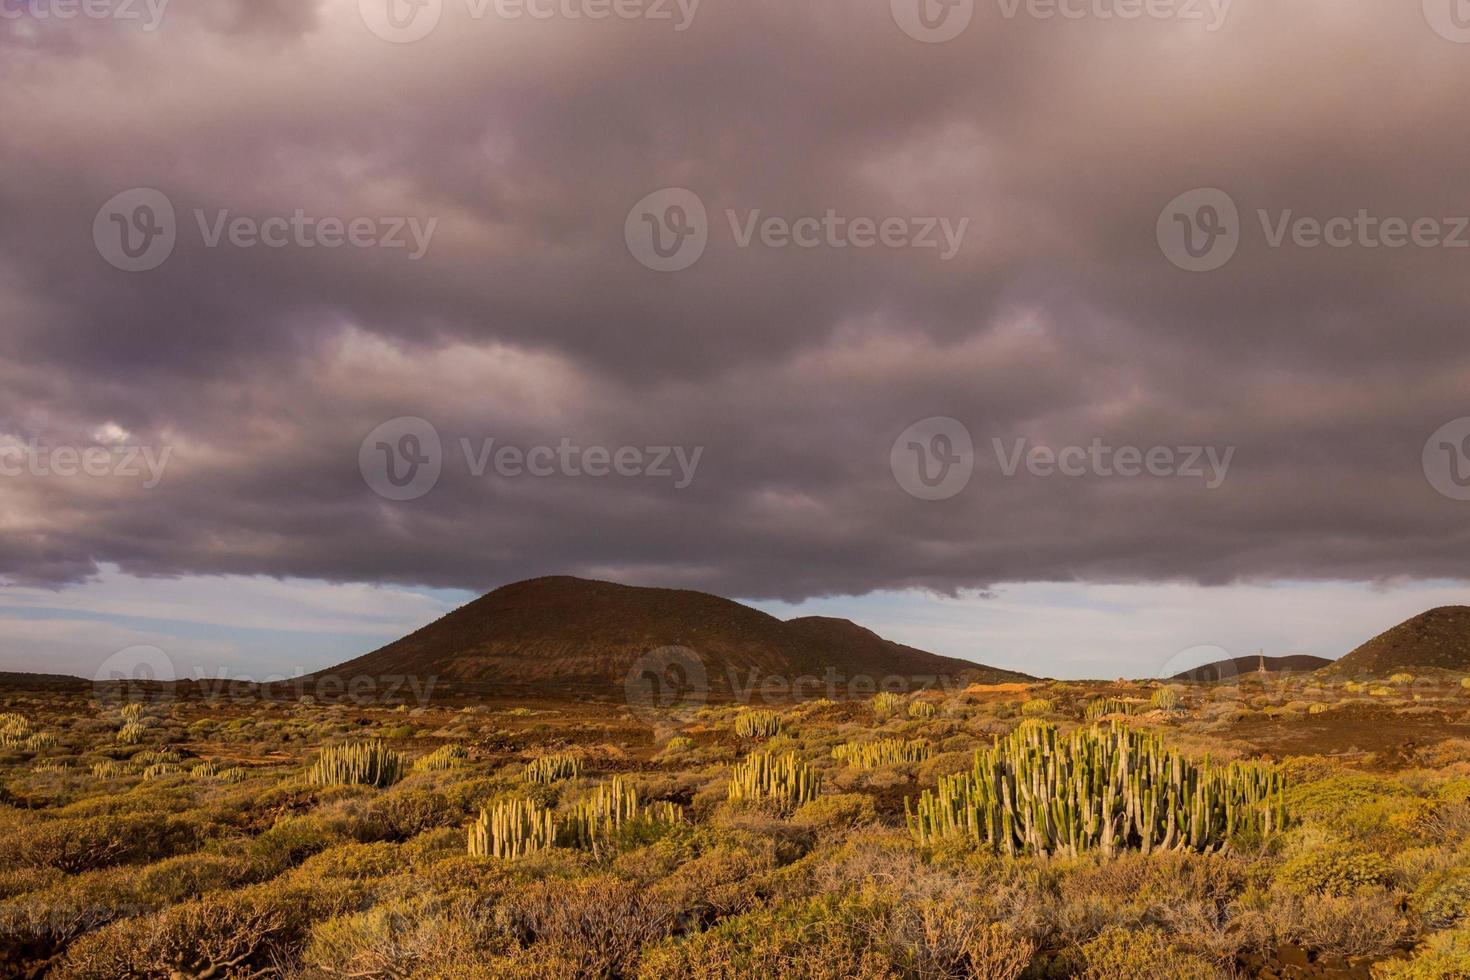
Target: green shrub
x: 1445, y: 956
x: 1119, y: 953
x: 1334, y: 870
x: 1443, y: 898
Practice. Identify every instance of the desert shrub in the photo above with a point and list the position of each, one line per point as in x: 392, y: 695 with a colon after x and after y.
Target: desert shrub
x: 1445, y: 956
x: 1319, y: 709
x: 81, y: 844
x: 1144, y: 953
x: 1351, y: 801
x: 402, y: 813
x: 1443, y: 898
x: 784, y: 781
x: 549, y: 769
x: 1401, y: 679
x: 758, y: 724
x: 600, y: 924
x: 402, y: 938
x: 219, y: 935
x: 1334, y: 869
x: 187, y: 876
x: 920, y: 710
x: 1368, y: 923
x: 886, y: 704
x: 356, y: 764
x: 835, y: 812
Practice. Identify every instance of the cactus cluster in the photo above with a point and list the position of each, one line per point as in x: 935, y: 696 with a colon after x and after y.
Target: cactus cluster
x: 15, y: 730
x: 1102, y: 707
x: 886, y: 704
x: 883, y: 752
x: 512, y: 829
x: 356, y: 764
x: 784, y: 780
x: 552, y: 768
x: 1104, y: 789
x: 131, y: 733
x: 131, y: 711
x: 111, y: 769
x: 1165, y: 699
x: 923, y: 709
x: 159, y: 770
x: 613, y: 807
x: 758, y: 724
x: 444, y: 757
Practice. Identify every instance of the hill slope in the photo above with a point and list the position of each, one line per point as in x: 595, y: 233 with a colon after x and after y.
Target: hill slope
x: 1238, y: 666
x: 1439, y: 638
x: 569, y: 635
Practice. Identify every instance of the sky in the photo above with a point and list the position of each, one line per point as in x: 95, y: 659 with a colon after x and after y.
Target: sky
x: 1062, y: 341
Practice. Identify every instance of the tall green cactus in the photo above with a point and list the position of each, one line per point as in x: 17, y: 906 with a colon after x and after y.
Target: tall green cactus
x: 357, y: 764
x: 883, y: 752
x: 886, y: 704
x: 1105, y: 789
x: 758, y: 724
x: 784, y: 780
x: 444, y: 757
x: 1102, y: 707
x: 512, y: 829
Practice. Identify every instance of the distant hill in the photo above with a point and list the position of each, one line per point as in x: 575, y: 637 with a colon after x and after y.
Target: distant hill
x: 19, y: 680
x: 1297, y: 663
x: 1437, y: 639
x: 564, y: 635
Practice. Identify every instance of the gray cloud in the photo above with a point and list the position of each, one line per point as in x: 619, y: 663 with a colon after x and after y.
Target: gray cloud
x: 529, y: 321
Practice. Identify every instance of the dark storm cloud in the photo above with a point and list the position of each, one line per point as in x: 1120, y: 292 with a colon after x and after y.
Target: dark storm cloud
x: 528, y: 320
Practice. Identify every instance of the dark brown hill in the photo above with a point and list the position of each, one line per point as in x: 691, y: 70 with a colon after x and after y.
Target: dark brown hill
x: 565, y: 635
x: 1438, y: 639
x: 1224, y: 670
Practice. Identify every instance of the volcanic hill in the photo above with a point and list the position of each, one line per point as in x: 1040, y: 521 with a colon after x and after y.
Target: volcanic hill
x: 568, y: 636
x: 1438, y: 639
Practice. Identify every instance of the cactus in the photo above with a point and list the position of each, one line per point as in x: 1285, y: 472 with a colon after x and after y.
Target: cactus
x: 15, y: 730
x: 1165, y: 699
x: 1103, y: 707
x: 883, y: 752
x: 786, y: 781
x: 1104, y: 789
x: 512, y: 829
x: 1037, y: 706
x: 161, y: 769
x: 131, y: 733
x: 357, y: 764
x: 111, y: 769
x: 131, y: 711
x: 234, y: 774
x: 551, y: 768
x: 887, y: 704
x: 444, y: 757
x: 600, y: 820
x: 923, y: 709
x: 758, y: 724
